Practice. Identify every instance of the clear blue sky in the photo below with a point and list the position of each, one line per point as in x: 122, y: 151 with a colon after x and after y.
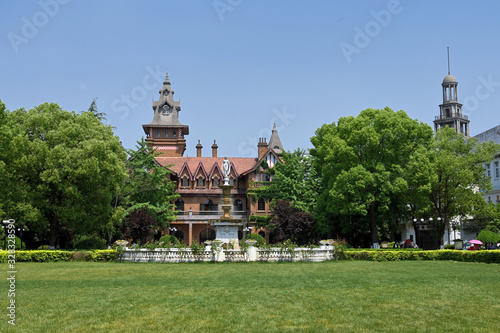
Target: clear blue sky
x: 240, y: 65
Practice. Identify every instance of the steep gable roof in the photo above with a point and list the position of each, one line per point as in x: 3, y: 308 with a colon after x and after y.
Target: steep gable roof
x: 240, y: 165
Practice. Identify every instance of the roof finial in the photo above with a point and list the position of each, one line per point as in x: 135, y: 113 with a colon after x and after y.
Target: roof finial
x: 166, y: 78
x: 448, y: 48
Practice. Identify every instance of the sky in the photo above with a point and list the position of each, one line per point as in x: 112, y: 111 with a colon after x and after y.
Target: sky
x: 239, y: 66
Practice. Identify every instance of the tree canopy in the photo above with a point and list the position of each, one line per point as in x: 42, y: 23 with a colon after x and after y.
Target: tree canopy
x: 62, y: 171
x: 458, y: 177
x: 294, y: 180
x: 365, y: 164
x: 148, y: 191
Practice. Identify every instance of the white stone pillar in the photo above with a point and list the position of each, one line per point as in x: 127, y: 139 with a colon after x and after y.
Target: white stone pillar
x: 252, y: 253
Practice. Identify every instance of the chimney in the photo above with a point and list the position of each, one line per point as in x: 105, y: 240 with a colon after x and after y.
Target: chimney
x: 262, y: 147
x: 198, y: 149
x: 214, y: 149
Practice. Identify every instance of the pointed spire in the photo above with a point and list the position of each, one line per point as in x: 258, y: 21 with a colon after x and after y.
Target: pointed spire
x: 167, y: 81
x: 275, y: 141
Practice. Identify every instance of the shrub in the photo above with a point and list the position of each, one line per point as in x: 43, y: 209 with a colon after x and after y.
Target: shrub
x: 43, y: 247
x: 168, y: 240
x: 487, y: 236
x: 57, y: 255
x: 492, y: 256
x: 449, y: 246
x: 260, y: 240
x: 19, y: 244
x: 89, y: 243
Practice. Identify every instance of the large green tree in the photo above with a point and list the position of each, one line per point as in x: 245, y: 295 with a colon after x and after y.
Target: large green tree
x: 67, y: 168
x: 293, y: 180
x: 364, y: 165
x: 458, y: 177
x: 147, y: 190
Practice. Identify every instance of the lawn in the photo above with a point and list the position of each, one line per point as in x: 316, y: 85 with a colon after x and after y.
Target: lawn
x: 344, y: 296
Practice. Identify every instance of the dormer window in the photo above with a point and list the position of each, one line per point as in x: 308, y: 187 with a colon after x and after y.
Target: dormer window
x: 201, y: 182
x: 215, y: 182
x: 185, y: 181
x: 166, y: 110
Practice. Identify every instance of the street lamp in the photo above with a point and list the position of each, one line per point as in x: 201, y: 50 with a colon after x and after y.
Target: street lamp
x: 454, y: 226
x: 21, y: 235
x: 438, y: 225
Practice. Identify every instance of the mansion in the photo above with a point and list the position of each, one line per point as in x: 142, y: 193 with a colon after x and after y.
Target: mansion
x: 198, y: 178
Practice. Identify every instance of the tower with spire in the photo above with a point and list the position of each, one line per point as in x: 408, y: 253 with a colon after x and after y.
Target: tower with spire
x: 165, y: 132
x: 450, y: 112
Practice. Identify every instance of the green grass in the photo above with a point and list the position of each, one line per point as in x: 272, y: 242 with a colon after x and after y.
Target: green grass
x: 352, y: 296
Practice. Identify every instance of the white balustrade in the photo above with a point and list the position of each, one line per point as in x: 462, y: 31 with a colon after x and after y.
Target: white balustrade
x: 179, y: 255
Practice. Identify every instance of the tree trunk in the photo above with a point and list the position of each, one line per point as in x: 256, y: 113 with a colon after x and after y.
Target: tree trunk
x: 53, y: 226
x: 373, y: 224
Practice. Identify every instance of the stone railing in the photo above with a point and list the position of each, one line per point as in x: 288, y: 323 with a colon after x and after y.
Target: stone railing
x: 179, y: 255
x: 207, y: 215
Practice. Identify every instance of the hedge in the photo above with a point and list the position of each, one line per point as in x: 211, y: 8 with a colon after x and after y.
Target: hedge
x: 57, y: 255
x: 490, y: 256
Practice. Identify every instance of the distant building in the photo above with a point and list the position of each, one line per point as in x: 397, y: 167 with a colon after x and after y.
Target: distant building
x: 493, y: 168
x: 198, y: 178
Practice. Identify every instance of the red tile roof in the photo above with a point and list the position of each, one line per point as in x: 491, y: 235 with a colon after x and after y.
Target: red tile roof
x: 240, y: 165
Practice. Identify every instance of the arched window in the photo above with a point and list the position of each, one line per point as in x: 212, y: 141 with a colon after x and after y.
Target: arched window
x: 231, y: 181
x: 179, y: 205
x: 185, y: 181
x: 207, y: 234
x: 208, y: 206
x: 201, y: 182
x: 237, y: 205
x: 261, y: 204
x: 215, y: 182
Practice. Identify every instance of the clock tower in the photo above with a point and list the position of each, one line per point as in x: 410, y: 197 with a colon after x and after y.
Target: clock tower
x: 165, y: 133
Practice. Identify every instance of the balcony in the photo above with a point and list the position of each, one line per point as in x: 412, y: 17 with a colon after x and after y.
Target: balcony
x: 452, y: 115
x: 207, y: 215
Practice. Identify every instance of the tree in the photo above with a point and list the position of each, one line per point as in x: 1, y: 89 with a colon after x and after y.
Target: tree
x: 294, y: 180
x: 148, y: 189
x: 140, y: 224
x: 363, y: 162
x: 289, y: 222
x: 458, y: 176
x: 67, y: 168
x: 95, y: 111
